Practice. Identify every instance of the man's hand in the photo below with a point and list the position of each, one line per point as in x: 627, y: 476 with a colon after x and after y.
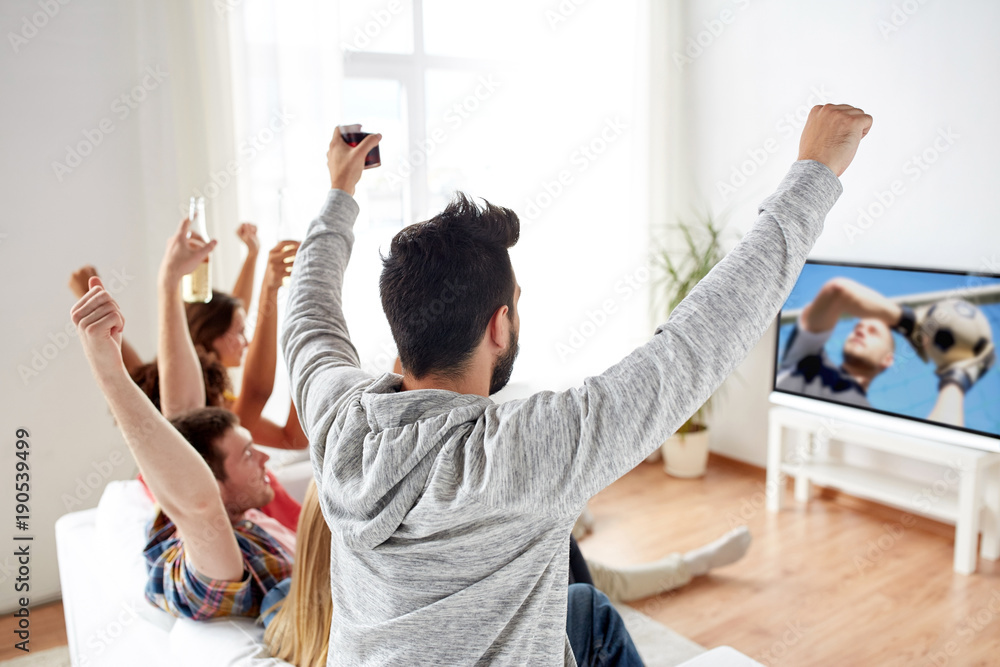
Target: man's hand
x: 184, y: 253
x: 911, y: 325
x: 79, y: 280
x: 248, y: 234
x: 279, y: 263
x: 966, y: 373
x: 99, y: 322
x: 832, y: 134
x: 347, y: 162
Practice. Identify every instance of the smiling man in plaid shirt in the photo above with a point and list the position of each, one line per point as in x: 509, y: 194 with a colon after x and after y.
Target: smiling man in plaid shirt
x: 210, y: 552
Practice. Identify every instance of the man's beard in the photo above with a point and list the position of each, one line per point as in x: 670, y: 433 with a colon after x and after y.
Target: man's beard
x: 504, y: 366
x: 860, y: 364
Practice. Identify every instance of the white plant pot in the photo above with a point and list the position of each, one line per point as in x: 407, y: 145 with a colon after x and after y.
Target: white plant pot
x: 686, y: 455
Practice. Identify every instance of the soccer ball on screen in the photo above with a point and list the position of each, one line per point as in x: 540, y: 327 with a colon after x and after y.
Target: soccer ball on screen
x: 954, y: 330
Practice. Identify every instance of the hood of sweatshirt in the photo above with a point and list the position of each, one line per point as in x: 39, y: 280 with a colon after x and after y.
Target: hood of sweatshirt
x: 386, y: 455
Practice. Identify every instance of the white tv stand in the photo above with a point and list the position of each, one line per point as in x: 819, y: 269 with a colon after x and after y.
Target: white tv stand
x: 795, y: 447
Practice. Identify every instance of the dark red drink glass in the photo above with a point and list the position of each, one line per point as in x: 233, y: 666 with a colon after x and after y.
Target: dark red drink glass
x: 353, y: 135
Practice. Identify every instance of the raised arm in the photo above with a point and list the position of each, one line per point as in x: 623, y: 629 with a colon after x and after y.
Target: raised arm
x: 843, y: 296
x: 315, y: 341
x: 955, y: 380
x: 78, y: 282
x: 176, y: 474
x: 243, y: 289
x: 949, y: 408
x: 258, y: 373
x: 182, y: 386
x: 289, y: 436
x: 555, y: 450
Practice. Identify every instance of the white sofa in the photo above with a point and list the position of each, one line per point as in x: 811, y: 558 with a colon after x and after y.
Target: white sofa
x: 109, y: 623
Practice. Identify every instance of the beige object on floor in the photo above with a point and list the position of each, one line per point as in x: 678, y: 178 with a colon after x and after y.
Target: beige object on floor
x: 634, y: 582
x: 686, y: 455
x: 54, y: 657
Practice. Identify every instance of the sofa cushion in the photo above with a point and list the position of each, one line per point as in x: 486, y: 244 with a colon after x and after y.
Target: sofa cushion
x: 221, y: 642
x: 123, y: 516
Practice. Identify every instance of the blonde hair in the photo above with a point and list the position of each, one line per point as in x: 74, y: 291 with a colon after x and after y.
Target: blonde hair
x: 300, y: 631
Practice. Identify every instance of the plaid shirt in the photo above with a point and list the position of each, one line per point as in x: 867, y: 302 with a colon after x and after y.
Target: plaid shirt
x: 177, y: 589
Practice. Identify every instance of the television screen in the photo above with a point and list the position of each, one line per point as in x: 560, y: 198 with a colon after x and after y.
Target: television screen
x: 905, y: 342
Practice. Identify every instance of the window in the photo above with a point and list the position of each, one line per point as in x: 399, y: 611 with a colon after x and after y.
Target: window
x: 534, y: 106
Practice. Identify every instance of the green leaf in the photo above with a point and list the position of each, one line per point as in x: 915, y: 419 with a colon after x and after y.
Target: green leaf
x: 682, y: 268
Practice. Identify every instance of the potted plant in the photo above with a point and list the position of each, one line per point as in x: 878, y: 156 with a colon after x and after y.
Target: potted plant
x: 685, y: 454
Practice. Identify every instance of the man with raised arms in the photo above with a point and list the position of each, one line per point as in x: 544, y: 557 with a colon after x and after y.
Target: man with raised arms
x: 450, y: 514
x: 205, y: 558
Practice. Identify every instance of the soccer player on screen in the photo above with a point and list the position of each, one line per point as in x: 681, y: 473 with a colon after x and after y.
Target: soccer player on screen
x: 870, y: 349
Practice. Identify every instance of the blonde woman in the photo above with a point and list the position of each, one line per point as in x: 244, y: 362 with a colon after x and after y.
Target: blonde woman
x: 297, y: 613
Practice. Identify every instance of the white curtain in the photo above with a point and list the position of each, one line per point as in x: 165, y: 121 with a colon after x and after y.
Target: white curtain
x: 189, y: 140
x: 254, y: 93
x: 286, y: 70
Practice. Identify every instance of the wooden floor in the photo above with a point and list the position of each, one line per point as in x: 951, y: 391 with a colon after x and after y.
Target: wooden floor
x: 837, y: 582
x: 47, y: 628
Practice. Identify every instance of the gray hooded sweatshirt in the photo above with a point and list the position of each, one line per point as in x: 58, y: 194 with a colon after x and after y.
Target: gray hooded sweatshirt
x: 451, y: 515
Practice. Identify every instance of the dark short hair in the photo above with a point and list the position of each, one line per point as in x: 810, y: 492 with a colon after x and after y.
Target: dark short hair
x: 203, y: 428
x: 442, y: 281
x: 217, y: 381
x: 208, y: 321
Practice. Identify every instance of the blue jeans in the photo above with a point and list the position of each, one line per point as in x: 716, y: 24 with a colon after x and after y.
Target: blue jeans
x: 274, y: 596
x: 596, y: 631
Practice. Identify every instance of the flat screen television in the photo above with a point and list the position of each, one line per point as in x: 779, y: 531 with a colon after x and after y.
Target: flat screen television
x: 902, y: 348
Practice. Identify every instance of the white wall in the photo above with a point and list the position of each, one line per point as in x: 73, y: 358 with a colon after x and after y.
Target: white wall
x: 937, y: 71
x: 58, y: 86
x: 62, y: 85
x: 925, y: 70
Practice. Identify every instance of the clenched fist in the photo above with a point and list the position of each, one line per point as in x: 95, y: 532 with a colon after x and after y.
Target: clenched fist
x: 832, y: 134
x: 247, y: 232
x: 99, y: 322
